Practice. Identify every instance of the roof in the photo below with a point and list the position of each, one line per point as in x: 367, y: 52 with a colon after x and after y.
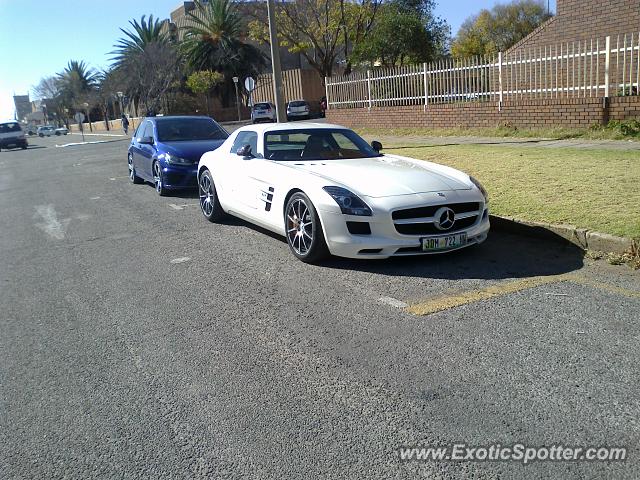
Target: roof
x: 271, y: 127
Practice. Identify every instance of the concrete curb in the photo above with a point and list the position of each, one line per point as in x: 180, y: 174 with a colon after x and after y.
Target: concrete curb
x: 581, y: 237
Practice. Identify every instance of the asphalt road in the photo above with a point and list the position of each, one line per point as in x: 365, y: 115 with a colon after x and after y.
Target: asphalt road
x: 137, y: 340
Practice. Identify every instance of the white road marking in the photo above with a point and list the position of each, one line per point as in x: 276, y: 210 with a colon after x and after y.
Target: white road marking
x: 181, y: 207
x: 394, y: 302
x: 180, y: 260
x: 82, y: 143
x: 94, y: 198
x: 51, y: 225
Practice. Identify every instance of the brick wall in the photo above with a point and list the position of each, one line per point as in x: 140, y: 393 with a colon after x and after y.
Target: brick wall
x: 586, y: 19
x: 570, y: 112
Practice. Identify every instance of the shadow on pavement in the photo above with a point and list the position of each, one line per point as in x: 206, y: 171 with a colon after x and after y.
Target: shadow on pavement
x: 503, y: 255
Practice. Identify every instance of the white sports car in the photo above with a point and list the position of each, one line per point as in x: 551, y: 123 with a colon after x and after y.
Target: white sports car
x: 330, y: 192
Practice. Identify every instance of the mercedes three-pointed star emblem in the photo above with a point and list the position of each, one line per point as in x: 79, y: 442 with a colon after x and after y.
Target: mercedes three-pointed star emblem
x: 445, y: 218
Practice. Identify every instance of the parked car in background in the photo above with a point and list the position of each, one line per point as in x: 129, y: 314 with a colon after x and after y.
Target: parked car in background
x: 46, y: 131
x: 298, y: 110
x: 263, y: 112
x: 330, y: 192
x: 166, y: 150
x: 62, y: 131
x: 12, y: 135
x: 31, y: 129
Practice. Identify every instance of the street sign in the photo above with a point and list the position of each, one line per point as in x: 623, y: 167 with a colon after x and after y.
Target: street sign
x: 79, y: 117
x: 249, y: 84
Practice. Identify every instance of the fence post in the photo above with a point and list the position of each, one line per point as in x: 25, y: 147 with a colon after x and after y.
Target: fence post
x: 607, y: 63
x: 369, y: 88
x: 500, y: 81
x: 426, y: 86
x: 326, y: 91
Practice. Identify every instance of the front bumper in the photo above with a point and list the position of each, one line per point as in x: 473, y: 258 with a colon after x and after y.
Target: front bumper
x: 176, y: 177
x: 384, y: 241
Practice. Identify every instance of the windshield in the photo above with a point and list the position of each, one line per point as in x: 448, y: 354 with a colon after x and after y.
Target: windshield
x: 184, y: 129
x: 298, y: 104
x: 9, y: 127
x: 316, y: 144
x: 261, y: 106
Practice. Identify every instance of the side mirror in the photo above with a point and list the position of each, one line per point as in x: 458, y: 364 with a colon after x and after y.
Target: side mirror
x: 245, y: 151
x: 146, y: 141
x: 376, y: 145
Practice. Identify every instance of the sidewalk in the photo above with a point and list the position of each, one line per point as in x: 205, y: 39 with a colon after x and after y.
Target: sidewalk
x: 398, y: 141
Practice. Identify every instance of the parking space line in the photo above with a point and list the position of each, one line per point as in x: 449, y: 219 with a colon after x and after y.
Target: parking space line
x: 439, y: 304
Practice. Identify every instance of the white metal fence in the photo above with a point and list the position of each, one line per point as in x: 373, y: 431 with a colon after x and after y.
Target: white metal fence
x: 600, y: 67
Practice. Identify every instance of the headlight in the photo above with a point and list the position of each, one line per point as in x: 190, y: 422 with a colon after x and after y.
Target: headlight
x: 175, y: 160
x: 480, y: 187
x: 349, y: 203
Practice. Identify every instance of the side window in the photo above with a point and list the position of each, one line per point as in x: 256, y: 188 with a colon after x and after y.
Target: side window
x: 147, y: 130
x: 245, y: 138
x: 138, y: 132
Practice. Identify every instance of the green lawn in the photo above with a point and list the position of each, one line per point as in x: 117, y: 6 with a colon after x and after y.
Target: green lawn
x: 594, y: 189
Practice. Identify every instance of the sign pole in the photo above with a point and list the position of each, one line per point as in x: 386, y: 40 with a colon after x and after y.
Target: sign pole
x: 275, y: 63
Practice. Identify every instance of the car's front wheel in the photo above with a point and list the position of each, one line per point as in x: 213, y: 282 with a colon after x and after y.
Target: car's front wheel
x: 158, y: 180
x: 303, y: 229
x: 133, y: 178
x: 209, y: 203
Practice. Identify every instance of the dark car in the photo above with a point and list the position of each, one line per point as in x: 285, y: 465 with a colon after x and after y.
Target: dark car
x: 166, y: 150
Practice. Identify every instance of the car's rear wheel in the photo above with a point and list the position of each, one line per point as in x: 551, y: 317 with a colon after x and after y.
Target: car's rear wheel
x: 303, y: 229
x: 209, y: 203
x: 158, y: 180
x: 133, y: 178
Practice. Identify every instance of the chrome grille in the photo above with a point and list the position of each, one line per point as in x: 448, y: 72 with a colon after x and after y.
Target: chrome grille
x: 421, y: 220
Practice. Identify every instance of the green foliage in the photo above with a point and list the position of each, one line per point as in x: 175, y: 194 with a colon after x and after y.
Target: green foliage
x: 134, y: 42
x: 203, y: 81
x: 322, y: 31
x: 213, y: 41
x: 629, y: 128
x: 75, y: 83
x: 398, y: 37
x: 498, y: 29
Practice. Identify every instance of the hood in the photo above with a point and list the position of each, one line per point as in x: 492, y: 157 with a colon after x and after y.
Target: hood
x: 384, y: 176
x: 190, y: 150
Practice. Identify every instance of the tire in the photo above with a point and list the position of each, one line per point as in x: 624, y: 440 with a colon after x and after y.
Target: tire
x: 209, y: 203
x: 23, y: 147
x: 157, y: 180
x: 133, y: 178
x: 57, y: 134
x: 41, y: 135
x: 305, y: 238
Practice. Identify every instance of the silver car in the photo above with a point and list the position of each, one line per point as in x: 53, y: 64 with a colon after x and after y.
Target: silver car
x: 298, y: 110
x: 263, y: 112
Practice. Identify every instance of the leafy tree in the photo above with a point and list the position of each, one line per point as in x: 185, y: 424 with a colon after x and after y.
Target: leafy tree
x: 213, y: 40
x: 400, y: 36
x: 498, y: 29
x: 203, y: 82
x: 320, y: 30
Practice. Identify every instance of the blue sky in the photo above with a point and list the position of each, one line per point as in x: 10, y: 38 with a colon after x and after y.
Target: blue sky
x: 39, y: 37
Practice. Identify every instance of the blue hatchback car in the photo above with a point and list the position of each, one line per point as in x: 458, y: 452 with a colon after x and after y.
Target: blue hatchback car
x: 166, y: 150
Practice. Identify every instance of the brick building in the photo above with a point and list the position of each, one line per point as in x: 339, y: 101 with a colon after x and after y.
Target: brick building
x: 577, y: 20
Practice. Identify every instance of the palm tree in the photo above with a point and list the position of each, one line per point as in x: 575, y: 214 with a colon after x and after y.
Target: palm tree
x: 214, y: 41
x: 134, y: 42
x: 76, y: 79
x: 140, y: 59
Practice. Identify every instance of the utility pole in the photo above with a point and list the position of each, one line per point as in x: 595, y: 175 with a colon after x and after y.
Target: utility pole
x: 281, y: 113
